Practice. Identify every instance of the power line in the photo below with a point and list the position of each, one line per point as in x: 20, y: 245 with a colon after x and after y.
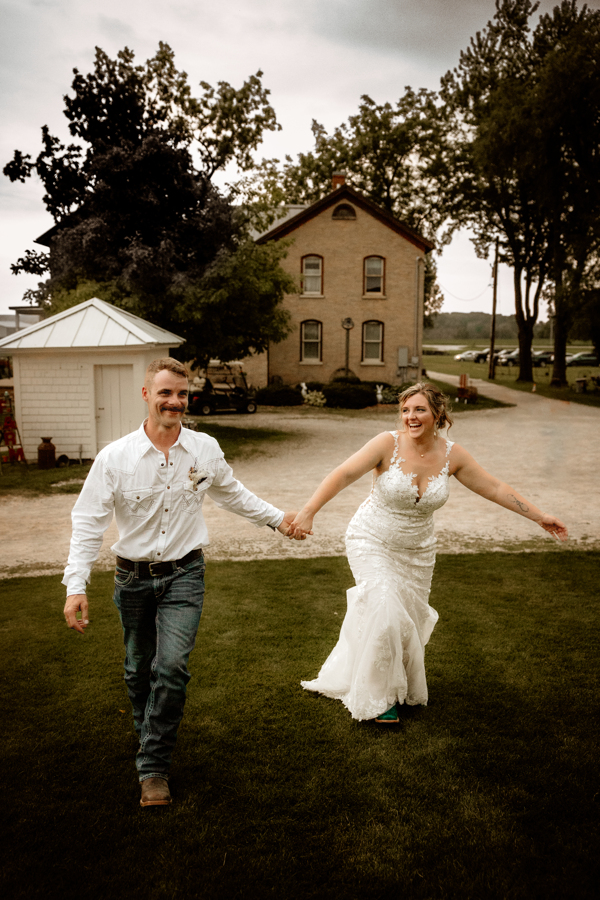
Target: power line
x: 462, y: 299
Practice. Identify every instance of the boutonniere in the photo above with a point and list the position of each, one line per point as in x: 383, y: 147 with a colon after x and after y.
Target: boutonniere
x: 197, y: 477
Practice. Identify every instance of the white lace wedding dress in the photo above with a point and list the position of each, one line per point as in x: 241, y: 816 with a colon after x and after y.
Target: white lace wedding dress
x: 379, y: 657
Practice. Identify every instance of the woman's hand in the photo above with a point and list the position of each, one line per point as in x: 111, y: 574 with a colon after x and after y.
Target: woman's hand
x: 554, y: 527
x: 301, y: 526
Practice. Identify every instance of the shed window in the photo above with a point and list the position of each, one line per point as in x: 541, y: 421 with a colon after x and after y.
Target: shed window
x: 374, y: 273
x: 311, y: 343
x: 312, y: 275
x: 372, y: 341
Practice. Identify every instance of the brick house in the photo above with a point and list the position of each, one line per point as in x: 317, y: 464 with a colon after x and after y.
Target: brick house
x: 355, y: 262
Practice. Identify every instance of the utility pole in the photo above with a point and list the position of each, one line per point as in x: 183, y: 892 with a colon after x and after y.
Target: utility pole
x: 492, y: 365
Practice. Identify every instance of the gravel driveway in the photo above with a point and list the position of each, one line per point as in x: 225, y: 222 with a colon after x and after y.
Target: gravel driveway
x: 548, y: 450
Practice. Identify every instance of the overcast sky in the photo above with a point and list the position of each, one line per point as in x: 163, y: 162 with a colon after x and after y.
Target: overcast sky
x: 318, y: 57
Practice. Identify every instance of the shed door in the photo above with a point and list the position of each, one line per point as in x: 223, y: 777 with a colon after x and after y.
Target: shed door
x: 114, y: 403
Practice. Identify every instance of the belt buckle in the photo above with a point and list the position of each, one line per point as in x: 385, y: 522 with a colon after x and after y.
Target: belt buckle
x: 150, y: 565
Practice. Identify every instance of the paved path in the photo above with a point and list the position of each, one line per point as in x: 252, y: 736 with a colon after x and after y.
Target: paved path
x: 548, y: 450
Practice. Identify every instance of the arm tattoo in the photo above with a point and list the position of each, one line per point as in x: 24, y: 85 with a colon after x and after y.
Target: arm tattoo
x: 522, y: 506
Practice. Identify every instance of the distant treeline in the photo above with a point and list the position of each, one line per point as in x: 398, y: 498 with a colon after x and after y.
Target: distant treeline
x: 458, y: 326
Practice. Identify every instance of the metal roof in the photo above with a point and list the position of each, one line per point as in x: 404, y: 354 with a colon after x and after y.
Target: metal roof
x: 94, y: 323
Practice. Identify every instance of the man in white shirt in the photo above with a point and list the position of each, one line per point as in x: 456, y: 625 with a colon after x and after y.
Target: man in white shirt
x: 154, y: 481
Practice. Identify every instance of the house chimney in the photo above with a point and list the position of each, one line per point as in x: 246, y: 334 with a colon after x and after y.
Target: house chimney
x: 339, y: 179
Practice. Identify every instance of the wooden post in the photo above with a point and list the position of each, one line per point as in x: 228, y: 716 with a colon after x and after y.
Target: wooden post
x: 492, y: 363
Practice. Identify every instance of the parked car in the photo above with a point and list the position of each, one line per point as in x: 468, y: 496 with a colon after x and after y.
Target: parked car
x: 542, y: 358
x: 481, y: 356
x: 503, y: 356
x: 223, y: 389
x: 467, y: 356
x: 583, y: 359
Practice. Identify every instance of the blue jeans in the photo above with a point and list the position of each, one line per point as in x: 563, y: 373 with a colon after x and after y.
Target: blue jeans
x: 160, y: 618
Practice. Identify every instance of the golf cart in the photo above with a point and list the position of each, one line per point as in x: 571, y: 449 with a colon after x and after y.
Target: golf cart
x: 223, y: 388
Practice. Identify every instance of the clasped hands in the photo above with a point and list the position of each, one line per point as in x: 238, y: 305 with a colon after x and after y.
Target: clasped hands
x: 296, y: 525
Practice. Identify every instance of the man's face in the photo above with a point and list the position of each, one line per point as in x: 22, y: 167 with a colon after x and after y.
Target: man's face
x: 166, y: 398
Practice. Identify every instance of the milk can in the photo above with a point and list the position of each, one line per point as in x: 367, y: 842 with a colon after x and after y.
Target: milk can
x: 46, y: 454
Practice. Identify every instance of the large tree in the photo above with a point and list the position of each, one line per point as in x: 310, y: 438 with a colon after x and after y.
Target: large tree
x: 523, y: 155
x: 139, y: 221
x: 390, y: 153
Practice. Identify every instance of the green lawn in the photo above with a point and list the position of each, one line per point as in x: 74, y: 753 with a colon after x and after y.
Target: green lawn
x: 29, y: 480
x: 489, y: 792
x: 508, y: 377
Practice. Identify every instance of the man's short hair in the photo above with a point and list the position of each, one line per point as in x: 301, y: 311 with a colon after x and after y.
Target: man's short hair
x: 165, y: 362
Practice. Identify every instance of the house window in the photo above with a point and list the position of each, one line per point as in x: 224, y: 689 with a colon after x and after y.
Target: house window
x: 374, y: 272
x: 311, y: 343
x: 372, y: 342
x: 312, y: 275
x: 344, y: 211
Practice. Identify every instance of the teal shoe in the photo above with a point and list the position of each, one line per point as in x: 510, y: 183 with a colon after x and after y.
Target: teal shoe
x: 390, y: 717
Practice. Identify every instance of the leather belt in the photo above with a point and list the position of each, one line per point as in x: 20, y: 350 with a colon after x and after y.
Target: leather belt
x: 152, y: 569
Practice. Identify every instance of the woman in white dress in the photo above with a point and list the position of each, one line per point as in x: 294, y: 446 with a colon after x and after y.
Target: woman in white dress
x: 379, y: 658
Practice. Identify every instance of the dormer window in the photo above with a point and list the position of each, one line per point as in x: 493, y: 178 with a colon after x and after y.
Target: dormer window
x: 344, y: 211
x: 312, y: 275
x: 374, y: 275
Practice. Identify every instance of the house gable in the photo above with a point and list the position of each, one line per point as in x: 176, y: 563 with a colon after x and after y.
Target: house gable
x: 345, y: 195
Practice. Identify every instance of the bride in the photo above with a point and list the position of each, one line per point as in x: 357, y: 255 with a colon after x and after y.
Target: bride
x: 378, y: 660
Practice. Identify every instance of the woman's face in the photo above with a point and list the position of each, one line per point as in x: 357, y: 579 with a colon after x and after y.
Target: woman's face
x: 417, y: 417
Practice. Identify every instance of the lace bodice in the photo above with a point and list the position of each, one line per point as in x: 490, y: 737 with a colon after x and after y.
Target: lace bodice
x: 398, y: 491
x: 394, y: 512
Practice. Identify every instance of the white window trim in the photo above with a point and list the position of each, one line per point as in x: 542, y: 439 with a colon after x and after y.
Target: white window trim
x: 313, y: 294
x: 379, y: 295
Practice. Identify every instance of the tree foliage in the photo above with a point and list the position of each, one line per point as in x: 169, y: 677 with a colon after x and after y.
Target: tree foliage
x: 523, y: 154
x: 136, y: 211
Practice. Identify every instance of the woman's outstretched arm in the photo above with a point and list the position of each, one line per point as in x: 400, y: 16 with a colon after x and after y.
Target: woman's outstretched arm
x: 474, y: 477
x: 367, y: 458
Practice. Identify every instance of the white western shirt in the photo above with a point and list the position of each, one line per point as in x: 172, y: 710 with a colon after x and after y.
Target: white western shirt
x: 158, y: 512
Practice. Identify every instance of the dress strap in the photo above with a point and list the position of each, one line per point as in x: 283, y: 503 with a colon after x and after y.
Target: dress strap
x: 394, y: 458
x: 449, y: 446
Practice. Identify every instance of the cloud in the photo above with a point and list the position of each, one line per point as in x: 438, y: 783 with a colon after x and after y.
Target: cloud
x: 116, y: 30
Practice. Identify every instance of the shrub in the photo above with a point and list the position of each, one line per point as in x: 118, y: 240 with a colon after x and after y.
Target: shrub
x: 314, y: 385
x: 279, y: 395
x: 345, y: 379
x: 349, y: 396
x: 384, y: 384
x: 390, y: 395
x: 315, y: 398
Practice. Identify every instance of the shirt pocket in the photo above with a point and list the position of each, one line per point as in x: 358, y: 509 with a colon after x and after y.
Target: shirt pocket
x: 192, y: 499
x: 139, y: 502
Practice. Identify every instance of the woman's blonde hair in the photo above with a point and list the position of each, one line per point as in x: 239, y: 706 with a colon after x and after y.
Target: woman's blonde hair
x: 439, y: 404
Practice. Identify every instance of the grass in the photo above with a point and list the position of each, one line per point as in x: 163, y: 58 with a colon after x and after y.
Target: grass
x: 243, y: 441
x: 481, y: 402
x: 31, y: 481
x: 508, y: 377
x: 489, y: 792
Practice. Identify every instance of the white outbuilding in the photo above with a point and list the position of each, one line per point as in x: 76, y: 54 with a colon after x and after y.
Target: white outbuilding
x: 78, y: 376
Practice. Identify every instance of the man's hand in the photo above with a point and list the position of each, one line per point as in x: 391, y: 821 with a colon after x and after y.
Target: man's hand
x: 284, y: 528
x: 74, y: 604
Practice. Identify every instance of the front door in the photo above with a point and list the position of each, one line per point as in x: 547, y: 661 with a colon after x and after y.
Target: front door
x: 114, y: 403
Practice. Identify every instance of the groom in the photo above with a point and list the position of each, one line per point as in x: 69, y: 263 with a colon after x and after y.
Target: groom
x: 154, y: 481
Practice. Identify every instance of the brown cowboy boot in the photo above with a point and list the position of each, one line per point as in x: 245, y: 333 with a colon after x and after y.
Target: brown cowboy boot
x: 155, y: 792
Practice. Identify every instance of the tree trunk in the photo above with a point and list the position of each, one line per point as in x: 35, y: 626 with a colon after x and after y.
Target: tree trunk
x: 525, y: 359
x: 525, y: 325
x: 561, y: 333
